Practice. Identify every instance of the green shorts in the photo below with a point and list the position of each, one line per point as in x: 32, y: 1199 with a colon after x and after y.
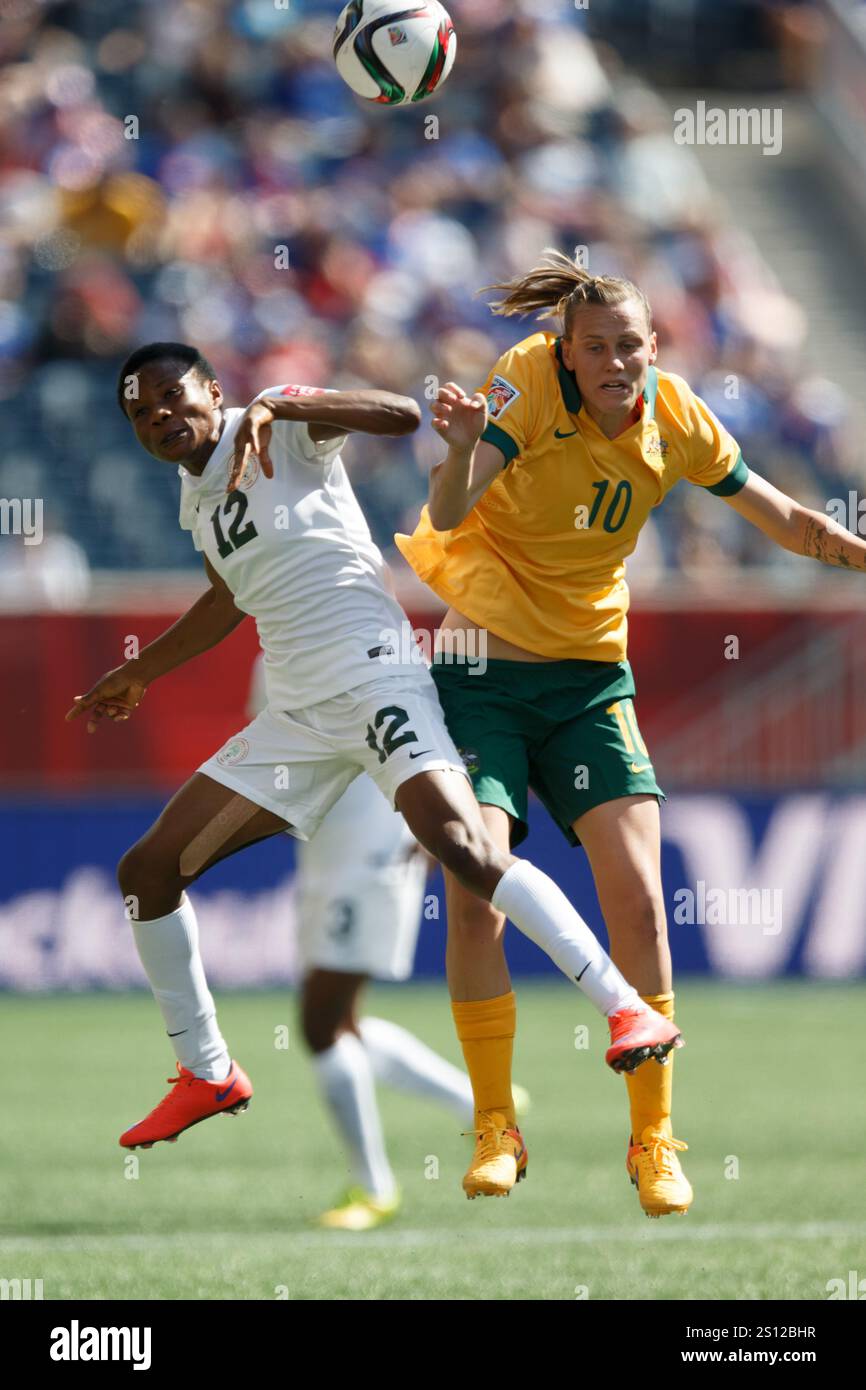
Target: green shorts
x: 567, y: 729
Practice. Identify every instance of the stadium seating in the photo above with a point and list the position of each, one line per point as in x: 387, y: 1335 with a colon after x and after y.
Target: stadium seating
x: 243, y: 146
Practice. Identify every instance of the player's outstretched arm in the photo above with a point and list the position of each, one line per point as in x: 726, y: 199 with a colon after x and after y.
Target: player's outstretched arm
x: 327, y: 415
x: 333, y: 413
x: 119, y: 692
x: 470, y: 465
x: 797, y: 528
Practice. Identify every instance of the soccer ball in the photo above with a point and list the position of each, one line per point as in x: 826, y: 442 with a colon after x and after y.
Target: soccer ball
x: 392, y: 52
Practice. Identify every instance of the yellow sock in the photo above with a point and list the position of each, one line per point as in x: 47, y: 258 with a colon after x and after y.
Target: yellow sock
x: 650, y: 1087
x: 486, y: 1029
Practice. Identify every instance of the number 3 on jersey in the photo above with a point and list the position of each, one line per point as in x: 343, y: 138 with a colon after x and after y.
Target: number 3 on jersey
x: 396, y: 717
x: 238, y: 533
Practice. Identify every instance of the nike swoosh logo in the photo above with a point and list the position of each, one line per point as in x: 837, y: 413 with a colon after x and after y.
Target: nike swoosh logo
x: 222, y: 1095
x: 421, y: 754
x: 579, y: 977
x: 646, y: 767
x: 177, y: 1035
x: 557, y: 434
x: 518, y: 1139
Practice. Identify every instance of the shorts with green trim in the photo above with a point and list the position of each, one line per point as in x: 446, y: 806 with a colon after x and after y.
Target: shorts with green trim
x: 567, y: 729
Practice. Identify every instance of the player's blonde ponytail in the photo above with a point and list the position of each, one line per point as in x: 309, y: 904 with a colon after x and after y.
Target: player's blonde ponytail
x: 558, y: 285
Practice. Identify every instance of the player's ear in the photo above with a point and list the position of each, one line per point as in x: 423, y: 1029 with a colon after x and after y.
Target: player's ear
x: 654, y: 348
x: 567, y: 354
x: 216, y: 393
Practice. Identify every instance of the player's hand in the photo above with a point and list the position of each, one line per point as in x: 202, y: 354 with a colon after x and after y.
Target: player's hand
x: 253, y: 437
x: 457, y: 418
x: 116, y: 695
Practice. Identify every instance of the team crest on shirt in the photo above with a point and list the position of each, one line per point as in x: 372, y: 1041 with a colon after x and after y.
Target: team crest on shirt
x: 657, y: 446
x: 249, y: 473
x: 471, y: 760
x: 500, y: 395
x: 234, y: 752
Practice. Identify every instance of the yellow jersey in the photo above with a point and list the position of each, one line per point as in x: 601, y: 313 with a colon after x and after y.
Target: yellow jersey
x: 540, y: 559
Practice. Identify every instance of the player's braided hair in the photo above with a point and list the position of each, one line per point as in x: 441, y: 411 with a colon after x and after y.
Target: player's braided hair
x: 560, y: 286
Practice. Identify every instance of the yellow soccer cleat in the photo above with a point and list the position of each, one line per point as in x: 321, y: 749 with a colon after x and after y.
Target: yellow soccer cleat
x: 358, y: 1211
x: 655, y: 1171
x: 499, y: 1160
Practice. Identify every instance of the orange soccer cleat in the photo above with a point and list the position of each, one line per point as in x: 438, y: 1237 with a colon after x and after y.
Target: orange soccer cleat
x: 499, y: 1160
x: 655, y: 1171
x: 189, y: 1101
x: 638, y: 1033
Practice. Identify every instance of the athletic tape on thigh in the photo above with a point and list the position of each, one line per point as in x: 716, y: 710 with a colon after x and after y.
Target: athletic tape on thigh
x: 233, y: 815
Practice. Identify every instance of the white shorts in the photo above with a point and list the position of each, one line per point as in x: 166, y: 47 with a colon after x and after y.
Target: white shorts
x: 359, y: 890
x: 298, y: 765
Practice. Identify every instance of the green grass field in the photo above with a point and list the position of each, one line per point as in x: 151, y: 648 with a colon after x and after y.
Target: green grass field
x: 771, y: 1078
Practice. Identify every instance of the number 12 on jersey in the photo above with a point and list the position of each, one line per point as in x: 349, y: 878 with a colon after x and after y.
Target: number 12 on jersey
x: 396, y: 717
x: 238, y: 534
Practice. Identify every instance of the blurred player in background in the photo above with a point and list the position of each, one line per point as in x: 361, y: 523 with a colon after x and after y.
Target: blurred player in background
x: 359, y: 894
x: 551, y: 472
x: 267, y: 499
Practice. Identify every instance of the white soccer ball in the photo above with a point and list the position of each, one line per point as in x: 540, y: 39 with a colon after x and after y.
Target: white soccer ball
x: 394, y: 52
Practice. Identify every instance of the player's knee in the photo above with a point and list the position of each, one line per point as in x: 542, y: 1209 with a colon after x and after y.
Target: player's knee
x: 319, y: 1029
x: 472, y: 918
x: 320, y: 1039
x: 466, y: 850
x: 127, y: 872
x: 142, y: 871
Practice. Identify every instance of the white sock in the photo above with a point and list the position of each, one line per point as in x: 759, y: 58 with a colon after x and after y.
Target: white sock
x: 345, y: 1077
x: 403, y: 1061
x: 543, y: 913
x: 168, y: 950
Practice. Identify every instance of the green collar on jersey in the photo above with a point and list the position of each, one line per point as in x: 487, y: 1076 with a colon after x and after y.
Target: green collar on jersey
x: 571, y: 393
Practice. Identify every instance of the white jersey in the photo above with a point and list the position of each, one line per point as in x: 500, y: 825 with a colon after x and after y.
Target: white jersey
x: 296, y: 552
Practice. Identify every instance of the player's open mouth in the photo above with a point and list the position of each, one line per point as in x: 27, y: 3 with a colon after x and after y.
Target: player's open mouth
x: 169, y: 439
x: 617, y: 387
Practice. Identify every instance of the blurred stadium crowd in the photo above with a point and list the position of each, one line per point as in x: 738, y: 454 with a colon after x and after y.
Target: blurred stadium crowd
x: 155, y: 155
